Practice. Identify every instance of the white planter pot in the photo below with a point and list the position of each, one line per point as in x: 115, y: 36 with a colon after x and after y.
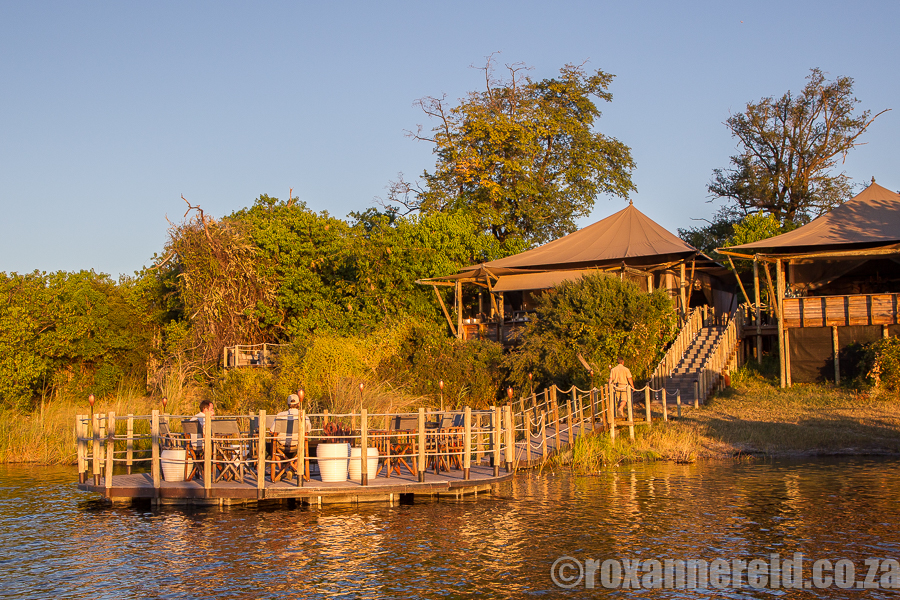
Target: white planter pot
x: 333, y: 459
x: 173, y: 461
x: 356, y: 467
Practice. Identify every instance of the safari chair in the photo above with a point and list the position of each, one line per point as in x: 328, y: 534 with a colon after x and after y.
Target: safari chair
x: 284, y: 446
x: 168, y: 440
x: 448, y: 444
x: 403, y: 445
x: 193, y: 445
x: 227, y: 450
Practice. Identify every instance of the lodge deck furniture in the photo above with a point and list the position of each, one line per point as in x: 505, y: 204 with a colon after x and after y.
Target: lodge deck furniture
x: 193, y: 466
x: 228, y: 459
x: 285, y: 432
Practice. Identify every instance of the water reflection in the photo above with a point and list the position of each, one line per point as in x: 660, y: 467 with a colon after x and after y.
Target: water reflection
x: 57, y: 541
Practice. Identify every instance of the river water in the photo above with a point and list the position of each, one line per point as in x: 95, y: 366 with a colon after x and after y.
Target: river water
x: 56, y: 541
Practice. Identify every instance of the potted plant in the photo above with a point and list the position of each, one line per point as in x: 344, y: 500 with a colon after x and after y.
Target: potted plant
x: 333, y: 453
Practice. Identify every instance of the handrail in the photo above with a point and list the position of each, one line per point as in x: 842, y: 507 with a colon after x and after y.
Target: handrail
x: 679, y: 346
x: 721, y: 357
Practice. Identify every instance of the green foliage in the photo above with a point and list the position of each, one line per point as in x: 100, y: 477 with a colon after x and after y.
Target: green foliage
x: 756, y: 227
x: 68, y: 332
x: 521, y: 157
x: 882, y: 364
x: 601, y: 317
x: 790, y: 145
x: 713, y: 235
x: 471, y: 371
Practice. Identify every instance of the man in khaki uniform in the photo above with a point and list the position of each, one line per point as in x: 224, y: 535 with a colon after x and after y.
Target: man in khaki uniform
x: 620, y: 379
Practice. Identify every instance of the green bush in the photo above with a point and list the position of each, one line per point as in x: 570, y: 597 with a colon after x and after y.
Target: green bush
x: 601, y: 317
x: 883, y: 361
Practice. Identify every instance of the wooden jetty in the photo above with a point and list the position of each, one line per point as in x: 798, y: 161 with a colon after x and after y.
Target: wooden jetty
x: 252, y: 458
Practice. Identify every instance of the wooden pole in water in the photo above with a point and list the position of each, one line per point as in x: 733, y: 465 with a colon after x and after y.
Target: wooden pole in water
x: 496, y: 441
x: 110, y: 450
x: 421, y: 445
x: 261, y: 454
x: 129, y: 443
x: 467, y: 443
x: 544, y: 435
x: 79, y: 439
x: 207, y: 455
x: 593, y: 398
x: 364, y: 447
x: 95, y: 449
x: 510, y: 440
x: 154, y: 449
x: 665, y: 406
x: 555, y: 409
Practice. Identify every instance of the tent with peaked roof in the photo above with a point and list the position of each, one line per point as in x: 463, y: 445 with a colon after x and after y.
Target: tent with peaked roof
x: 627, y: 243
x: 836, y: 282
x: 852, y: 249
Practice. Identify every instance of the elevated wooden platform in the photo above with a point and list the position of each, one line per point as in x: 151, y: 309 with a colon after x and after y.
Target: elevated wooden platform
x: 841, y: 311
x: 379, y: 489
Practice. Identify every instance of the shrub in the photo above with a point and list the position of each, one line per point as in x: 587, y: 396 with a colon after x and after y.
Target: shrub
x: 601, y: 317
x: 883, y: 359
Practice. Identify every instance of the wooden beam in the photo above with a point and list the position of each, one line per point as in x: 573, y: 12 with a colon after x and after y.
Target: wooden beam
x: 758, y: 314
x: 444, y: 308
x: 683, y: 274
x: 459, y: 323
x: 738, y: 277
x: 779, y: 283
x: 773, y: 302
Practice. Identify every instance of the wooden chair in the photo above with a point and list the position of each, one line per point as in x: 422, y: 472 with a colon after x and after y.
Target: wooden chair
x: 227, y: 450
x: 284, y: 446
x: 193, y: 445
x: 167, y: 438
x: 403, y: 443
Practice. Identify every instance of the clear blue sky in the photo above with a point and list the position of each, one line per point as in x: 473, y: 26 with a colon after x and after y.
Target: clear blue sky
x: 110, y: 111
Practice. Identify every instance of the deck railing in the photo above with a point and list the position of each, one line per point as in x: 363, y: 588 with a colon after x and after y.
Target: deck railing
x: 840, y: 311
x: 540, y: 424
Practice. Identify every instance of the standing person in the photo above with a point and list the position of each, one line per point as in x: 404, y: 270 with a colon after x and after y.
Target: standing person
x: 620, y: 379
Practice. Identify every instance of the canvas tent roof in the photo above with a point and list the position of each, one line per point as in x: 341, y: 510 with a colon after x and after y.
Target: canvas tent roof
x: 538, y: 281
x: 871, y: 218
x: 627, y: 235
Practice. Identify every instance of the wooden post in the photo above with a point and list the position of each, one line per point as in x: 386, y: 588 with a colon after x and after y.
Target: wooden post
x: 787, y: 357
x: 665, y: 406
x: 885, y: 332
x: 510, y: 440
x: 325, y: 421
x: 683, y: 291
x: 154, y: 449
x: 261, y: 454
x: 543, y: 435
x: 496, y: 441
x: 555, y: 405
x: 593, y: 413
x: 647, y: 414
x: 467, y: 443
x: 129, y: 443
x: 779, y: 294
x: 110, y: 450
x: 678, y: 402
x: 628, y: 398
x: 95, y: 447
x: 696, y: 393
x: 364, y: 447
x: 421, y: 445
x: 756, y: 301
x: 649, y: 284
x: 459, y: 319
x: 611, y: 412
x: 569, y: 439
x: 837, y: 358
x: 207, y: 456
x: 80, y: 448
x: 479, y: 437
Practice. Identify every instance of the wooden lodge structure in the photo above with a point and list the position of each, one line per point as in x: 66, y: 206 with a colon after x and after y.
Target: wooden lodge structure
x: 836, y: 281
x: 627, y: 243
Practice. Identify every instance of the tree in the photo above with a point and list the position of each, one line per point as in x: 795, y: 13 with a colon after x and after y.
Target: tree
x: 521, y: 157
x: 789, y: 147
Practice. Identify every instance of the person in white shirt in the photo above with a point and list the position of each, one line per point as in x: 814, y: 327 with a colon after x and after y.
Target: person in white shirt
x: 207, y: 408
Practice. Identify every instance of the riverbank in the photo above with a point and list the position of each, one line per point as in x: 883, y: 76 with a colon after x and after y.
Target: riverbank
x: 756, y: 418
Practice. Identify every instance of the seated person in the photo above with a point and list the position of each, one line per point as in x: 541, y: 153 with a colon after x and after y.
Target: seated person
x: 293, y: 410
x: 207, y: 409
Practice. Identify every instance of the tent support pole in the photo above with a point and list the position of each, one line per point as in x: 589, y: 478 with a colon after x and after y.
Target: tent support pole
x: 681, y: 283
x: 779, y: 283
x: 459, y: 323
x: 756, y: 306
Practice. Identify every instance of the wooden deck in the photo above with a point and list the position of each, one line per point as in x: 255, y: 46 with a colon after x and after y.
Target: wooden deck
x: 379, y: 489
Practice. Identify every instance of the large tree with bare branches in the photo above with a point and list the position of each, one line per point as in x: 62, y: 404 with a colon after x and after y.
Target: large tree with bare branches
x: 789, y: 148
x: 522, y: 157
